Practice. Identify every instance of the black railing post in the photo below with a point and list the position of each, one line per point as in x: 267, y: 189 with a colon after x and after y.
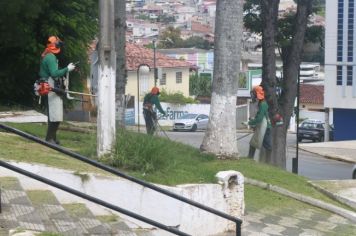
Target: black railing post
x: 238, y: 228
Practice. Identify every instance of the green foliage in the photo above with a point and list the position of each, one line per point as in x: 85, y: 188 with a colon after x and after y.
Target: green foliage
x: 143, y: 17
x: 171, y: 38
x: 140, y: 152
x: 174, y: 36
x: 252, y: 21
x: 197, y: 42
x: 166, y: 19
x: 25, y: 27
x: 200, y: 85
x: 176, y: 98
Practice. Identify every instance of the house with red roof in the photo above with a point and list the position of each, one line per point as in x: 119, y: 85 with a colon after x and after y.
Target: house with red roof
x: 173, y: 73
x: 311, y: 101
x: 311, y: 97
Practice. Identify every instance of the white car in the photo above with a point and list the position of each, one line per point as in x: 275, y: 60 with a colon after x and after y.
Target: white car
x: 191, y: 122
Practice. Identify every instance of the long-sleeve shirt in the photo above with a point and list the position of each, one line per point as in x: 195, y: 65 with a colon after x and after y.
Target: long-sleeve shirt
x: 153, y: 100
x: 49, y: 67
x: 262, y: 112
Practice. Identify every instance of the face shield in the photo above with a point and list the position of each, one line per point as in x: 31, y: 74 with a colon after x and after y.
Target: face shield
x: 253, y: 96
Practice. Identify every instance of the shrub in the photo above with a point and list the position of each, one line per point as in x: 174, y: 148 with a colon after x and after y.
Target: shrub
x: 175, y: 98
x: 140, y: 152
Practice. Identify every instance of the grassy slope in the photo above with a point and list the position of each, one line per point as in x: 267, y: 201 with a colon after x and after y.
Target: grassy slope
x: 154, y: 159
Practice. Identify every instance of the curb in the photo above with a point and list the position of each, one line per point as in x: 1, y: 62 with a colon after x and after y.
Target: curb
x: 331, y: 157
x: 334, y: 196
x: 309, y: 200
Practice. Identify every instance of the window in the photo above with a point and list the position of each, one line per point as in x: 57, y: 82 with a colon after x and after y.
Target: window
x: 340, y: 31
x: 339, y: 75
x: 163, y: 80
x: 350, y: 38
x: 349, y: 76
x: 178, y: 77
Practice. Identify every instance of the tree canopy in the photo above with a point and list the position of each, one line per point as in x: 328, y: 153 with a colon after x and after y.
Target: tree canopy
x: 25, y: 27
x: 171, y: 38
x: 286, y: 22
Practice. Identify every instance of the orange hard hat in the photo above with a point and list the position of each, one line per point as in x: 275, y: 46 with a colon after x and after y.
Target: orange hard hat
x: 155, y: 90
x: 260, y: 93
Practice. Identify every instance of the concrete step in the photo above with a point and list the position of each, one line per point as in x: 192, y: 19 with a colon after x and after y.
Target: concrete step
x: 17, y: 209
x: 40, y: 211
x: 53, y: 215
x: 89, y: 224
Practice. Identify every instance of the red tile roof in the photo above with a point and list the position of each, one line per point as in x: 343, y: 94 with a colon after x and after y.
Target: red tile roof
x: 136, y: 55
x: 200, y: 28
x: 312, y: 94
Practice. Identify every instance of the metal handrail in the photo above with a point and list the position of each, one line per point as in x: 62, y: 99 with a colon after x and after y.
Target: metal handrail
x: 77, y: 156
x: 92, y: 199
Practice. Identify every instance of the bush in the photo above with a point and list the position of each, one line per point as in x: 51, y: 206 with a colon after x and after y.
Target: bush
x: 175, y: 98
x: 140, y: 152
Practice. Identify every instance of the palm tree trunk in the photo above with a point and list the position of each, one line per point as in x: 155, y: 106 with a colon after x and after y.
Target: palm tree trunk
x: 220, y: 137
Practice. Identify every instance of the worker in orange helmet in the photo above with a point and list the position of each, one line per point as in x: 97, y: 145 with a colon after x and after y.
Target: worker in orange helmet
x: 261, y: 123
x: 150, y: 100
x: 49, y: 72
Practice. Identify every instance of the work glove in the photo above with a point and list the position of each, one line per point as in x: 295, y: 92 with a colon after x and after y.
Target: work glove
x: 71, y: 67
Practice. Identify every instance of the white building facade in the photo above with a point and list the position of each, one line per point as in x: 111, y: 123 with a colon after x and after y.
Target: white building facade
x: 340, y: 67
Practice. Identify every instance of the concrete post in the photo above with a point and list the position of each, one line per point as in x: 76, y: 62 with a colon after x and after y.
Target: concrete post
x: 232, y: 183
x: 106, y: 79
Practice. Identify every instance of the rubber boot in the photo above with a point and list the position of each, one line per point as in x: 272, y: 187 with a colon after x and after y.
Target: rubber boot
x: 56, y: 126
x: 251, y: 152
x: 52, y: 132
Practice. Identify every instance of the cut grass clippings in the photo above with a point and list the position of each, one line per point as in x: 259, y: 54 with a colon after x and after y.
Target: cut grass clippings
x: 153, y: 159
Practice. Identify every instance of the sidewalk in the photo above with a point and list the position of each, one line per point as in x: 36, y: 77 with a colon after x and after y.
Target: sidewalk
x: 22, y: 116
x: 338, y: 150
x: 341, y: 190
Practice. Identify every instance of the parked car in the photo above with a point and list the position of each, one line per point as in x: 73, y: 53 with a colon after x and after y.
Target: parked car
x: 191, y: 122
x: 354, y: 172
x: 314, y: 130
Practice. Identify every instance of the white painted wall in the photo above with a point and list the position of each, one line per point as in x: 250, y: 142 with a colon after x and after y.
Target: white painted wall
x: 146, y: 202
x: 305, y: 114
x: 174, y: 111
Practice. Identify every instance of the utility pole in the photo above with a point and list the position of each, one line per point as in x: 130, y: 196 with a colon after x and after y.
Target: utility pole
x: 106, y: 81
x: 154, y: 62
x: 295, y: 159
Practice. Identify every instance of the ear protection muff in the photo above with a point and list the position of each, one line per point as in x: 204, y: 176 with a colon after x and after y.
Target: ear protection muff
x: 59, y: 44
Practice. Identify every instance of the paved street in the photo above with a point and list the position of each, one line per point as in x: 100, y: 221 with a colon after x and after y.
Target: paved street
x: 311, y: 165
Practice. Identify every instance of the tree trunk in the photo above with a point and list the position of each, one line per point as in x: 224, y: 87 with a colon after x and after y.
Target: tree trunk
x: 121, y: 75
x: 291, y: 62
x: 220, y: 137
x: 269, y: 15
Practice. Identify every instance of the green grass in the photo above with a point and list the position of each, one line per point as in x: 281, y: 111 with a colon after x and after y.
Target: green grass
x: 157, y: 160
x: 39, y: 197
x: 108, y: 218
